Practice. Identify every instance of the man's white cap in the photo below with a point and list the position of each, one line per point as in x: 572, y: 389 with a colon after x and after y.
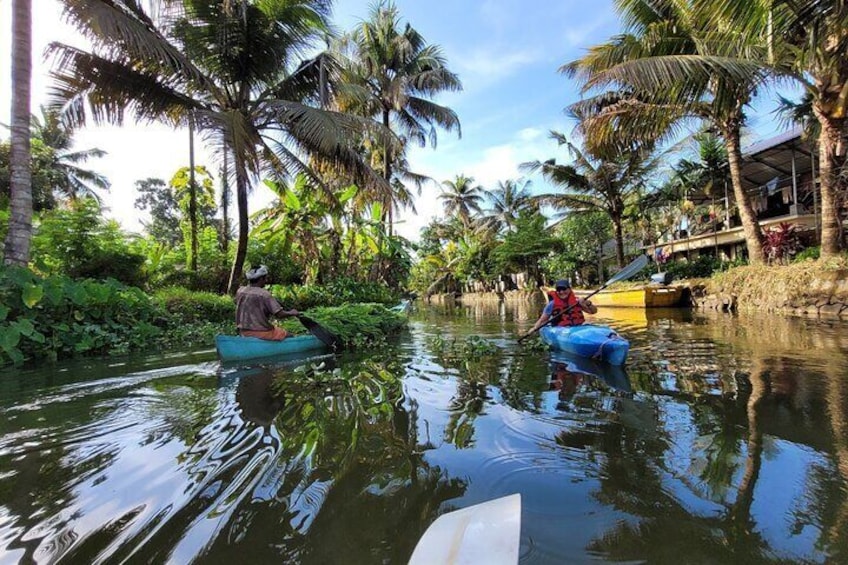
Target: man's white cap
x: 257, y: 272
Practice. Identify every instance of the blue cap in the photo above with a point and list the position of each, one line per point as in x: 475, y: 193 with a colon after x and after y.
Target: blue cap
x: 562, y: 283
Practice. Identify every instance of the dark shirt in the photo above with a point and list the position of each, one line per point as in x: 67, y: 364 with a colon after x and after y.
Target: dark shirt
x: 254, y: 308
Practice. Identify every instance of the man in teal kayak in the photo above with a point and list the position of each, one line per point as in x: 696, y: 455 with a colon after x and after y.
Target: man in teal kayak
x: 564, y: 308
x: 255, y: 307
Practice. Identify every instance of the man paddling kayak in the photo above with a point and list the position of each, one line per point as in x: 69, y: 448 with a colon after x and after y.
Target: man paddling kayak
x: 255, y: 307
x: 563, y: 308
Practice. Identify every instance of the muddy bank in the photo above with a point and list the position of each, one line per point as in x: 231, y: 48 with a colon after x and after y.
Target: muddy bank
x: 805, y: 289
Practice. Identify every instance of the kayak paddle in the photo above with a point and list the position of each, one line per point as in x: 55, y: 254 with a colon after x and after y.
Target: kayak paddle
x: 319, y: 331
x: 630, y: 270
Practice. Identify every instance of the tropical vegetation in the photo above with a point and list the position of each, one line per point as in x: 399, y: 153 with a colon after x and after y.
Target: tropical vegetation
x: 325, y: 122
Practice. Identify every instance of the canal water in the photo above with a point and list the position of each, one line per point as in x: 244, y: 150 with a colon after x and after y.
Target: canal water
x: 724, y: 440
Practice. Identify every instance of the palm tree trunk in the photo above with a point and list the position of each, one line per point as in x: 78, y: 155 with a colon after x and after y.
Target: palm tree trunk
x: 192, y: 196
x: 225, y: 204
x: 750, y: 226
x: 619, y: 241
x: 829, y: 140
x: 241, y: 247
x: 19, y: 236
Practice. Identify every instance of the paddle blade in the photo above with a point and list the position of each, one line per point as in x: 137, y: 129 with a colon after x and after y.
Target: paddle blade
x: 630, y: 270
x: 322, y: 333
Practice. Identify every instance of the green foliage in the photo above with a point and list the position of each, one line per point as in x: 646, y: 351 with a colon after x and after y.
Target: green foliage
x: 808, y: 253
x: 75, y: 241
x: 356, y: 324
x: 213, y: 265
x: 523, y: 248
x: 338, y: 292
x: 580, y: 237
x: 703, y: 266
x: 183, y: 306
x: 155, y: 197
x: 44, y: 175
x: 4, y: 226
x: 58, y: 317
x: 474, y: 347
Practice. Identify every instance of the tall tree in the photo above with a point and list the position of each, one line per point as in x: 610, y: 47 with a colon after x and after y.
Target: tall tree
x: 392, y: 75
x: 667, y: 69
x: 806, y: 40
x: 72, y: 179
x: 164, y: 224
x: 462, y: 197
x: 596, y: 183
x: 508, y: 199
x: 233, y: 66
x: 19, y: 236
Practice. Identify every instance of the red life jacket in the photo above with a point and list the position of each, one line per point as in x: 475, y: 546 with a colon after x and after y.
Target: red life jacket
x: 573, y: 317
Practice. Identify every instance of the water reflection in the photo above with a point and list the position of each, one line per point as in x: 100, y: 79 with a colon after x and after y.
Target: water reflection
x: 725, y: 439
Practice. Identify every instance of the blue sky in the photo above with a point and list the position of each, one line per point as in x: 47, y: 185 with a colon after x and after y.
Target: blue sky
x: 506, y: 52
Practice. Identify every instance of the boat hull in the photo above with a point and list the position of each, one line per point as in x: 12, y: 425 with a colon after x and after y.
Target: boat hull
x: 588, y: 340
x: 647, y: 297
x: 238, y: 348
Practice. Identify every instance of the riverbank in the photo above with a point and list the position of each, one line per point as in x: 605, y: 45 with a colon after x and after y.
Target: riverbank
x: 810, y: 288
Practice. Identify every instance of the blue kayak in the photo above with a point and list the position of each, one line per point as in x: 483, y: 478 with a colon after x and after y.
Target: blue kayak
x: 238, y: 348
x: 594, y: 342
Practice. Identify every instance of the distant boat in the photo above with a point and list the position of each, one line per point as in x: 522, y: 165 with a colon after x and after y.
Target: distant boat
x: 644, y: 297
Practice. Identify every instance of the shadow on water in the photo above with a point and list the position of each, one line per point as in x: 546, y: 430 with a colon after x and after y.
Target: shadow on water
x: 724, y: 440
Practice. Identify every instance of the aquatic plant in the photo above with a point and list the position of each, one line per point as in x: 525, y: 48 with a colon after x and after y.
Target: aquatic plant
x: 357, y: 325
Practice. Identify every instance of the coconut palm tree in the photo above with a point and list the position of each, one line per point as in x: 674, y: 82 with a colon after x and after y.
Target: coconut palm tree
x: 391, y: 74
x: 508, y: 200
x: 74, y: 181
x: 595, y: 183
x: 462, y: 197
x: 19, y: 236
x: 805, y: 40
x: 665, y: 71
x: 231, y: 66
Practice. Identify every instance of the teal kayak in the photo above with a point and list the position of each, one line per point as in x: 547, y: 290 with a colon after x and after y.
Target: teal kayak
x: 238, y: 348
x: 588, y: 340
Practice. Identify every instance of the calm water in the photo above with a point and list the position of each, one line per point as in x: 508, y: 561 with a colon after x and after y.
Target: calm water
x: 725, y: 440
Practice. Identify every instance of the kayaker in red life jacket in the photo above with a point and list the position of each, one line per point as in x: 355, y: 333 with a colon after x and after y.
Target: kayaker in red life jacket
x: 255, y: 307
x: 557, y: 308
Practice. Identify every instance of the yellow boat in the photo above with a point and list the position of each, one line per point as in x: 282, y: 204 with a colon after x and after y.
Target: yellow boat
x: 645, y: 297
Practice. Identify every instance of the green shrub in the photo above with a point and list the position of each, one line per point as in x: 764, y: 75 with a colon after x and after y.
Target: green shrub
x: 57, y: 317
x: 183, y: 306
x: 78, y: 243
x: 808, y: 253
x: 336, y: 293
x: 701, y: 267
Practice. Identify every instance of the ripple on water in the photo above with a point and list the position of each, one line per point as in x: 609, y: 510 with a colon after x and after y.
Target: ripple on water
x: 535, y: 473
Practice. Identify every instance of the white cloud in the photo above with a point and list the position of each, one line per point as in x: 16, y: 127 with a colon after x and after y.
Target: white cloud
x: 493, y: 64
x: 488, y: 166
x: 530, y: 134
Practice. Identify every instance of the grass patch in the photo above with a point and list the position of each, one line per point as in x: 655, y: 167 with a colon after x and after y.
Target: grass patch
x: 779, y: 284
